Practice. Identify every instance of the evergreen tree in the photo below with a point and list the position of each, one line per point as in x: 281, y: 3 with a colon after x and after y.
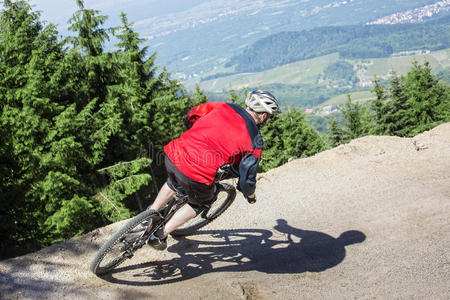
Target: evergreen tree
x: 378, y: 106
x: 396, y: 119
x: 152, y: 104
x: 136, y: 85
x: 413, y: 103
x: 81, y: 133
x: 273, y: 154
x: 288, y: 136
x: 427, y: 99
x: 29, y: 55
x: 300, y: 139
x: 237, y: 97
x: 199, y: 95
x: 357, y: 120
x: 336, y: 135
x: 58, y: 117
x: 410, y: 105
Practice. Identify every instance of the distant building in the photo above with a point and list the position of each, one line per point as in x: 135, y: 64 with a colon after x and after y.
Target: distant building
x: 410, y: 53
x: 330, y: 109
x: 365, y: 82
x: 309, y: 111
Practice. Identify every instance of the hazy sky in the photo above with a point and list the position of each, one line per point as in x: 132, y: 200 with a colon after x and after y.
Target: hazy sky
x: 59, y: 11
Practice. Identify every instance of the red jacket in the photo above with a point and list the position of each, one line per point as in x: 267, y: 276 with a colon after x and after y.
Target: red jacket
x: 221, y: 133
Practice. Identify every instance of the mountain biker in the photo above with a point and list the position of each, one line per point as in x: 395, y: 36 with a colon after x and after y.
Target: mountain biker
x: 219, y: 133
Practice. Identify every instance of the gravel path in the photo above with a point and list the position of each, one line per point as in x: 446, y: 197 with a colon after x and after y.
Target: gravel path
x: 369, y: 219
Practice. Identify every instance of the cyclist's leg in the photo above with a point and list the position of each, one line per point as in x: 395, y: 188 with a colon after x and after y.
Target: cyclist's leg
x: 200, y: 196
x: 164, y: 195
x: 183, y: 215
x: 197, y: 192
x: 168, y: 190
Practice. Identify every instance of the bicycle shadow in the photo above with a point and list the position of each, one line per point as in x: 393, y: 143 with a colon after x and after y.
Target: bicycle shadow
x: 292, y: 251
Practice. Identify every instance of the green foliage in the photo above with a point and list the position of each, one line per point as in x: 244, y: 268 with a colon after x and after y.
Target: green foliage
x: 428, y: 99
x: 68, y: 220
x: 288, y: 136
x: 125, y: 178
x: 341, y: 71
x: 237, y: 97
x: 410, y: 105
x: 336, y: 134
x: 378, y: 108
x: 80, y: 127
x: 357, y: 120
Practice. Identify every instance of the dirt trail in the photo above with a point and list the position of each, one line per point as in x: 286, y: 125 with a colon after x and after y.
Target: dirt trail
x: 369, y: 219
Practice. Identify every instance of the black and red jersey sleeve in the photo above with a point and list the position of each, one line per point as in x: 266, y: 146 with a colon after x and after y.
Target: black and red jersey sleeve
x: 249, y: 163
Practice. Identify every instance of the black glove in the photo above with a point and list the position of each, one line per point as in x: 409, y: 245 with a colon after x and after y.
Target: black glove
x: 251, y: 200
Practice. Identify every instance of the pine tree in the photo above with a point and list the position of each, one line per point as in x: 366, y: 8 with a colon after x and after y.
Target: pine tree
x: 414, y: 103
x: 378, y: 107
x: 300, y: 139
x: 357, y: 120
x: 114, y: 93
x: 336, y: 135
x: 29, y: 56
x: 427, y: 99
x: 237, y: 97
x: 395, y: 117
x: 76, y: 125
x: 273, y: 154
x: 137, y: 84
x: 289, y: 136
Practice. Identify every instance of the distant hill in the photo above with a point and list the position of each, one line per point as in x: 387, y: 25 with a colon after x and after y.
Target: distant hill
x: 351, y: 42
x: 197, y: 41
x: 196, y: 38
x: 302, y: 83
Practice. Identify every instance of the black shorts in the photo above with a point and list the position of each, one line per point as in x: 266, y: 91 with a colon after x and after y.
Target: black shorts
x: 200, y: 194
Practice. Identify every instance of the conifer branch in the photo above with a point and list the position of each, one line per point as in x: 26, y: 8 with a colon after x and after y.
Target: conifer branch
x: 112, y: 203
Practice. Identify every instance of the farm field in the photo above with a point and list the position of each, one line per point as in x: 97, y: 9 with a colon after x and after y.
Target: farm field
x: 308, y: 71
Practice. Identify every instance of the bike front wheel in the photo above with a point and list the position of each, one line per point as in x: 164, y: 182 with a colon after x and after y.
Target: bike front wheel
x: 225, y: 198
x: 125, y: 242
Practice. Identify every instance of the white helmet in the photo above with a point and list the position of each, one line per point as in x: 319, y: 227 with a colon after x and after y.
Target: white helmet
x: 262, y: 101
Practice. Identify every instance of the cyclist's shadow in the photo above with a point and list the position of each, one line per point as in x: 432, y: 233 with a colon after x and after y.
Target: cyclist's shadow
x: 290, y: 251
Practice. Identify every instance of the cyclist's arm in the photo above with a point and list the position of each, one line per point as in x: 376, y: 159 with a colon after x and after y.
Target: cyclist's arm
x: 247, y: 175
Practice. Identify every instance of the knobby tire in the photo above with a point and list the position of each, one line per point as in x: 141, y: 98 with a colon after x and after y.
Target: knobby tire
x: 132, y: 230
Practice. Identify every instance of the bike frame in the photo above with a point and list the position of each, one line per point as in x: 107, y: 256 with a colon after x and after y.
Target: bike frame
x: 166, y: 212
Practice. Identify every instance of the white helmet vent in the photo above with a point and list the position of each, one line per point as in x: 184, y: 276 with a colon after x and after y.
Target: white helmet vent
x: 262, y: 101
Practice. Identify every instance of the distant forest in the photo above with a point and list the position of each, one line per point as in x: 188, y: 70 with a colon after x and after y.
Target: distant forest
x: 352, y: 42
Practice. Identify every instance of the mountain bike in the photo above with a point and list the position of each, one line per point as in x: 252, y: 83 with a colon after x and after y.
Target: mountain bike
x: 136, y: 232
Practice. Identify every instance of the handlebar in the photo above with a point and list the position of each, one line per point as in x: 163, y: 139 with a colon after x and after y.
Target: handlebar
x: 221, y: 172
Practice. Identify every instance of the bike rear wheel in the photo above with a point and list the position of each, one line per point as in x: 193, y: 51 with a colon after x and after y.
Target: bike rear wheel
x: 125, y: 242
x: 225, y: 198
